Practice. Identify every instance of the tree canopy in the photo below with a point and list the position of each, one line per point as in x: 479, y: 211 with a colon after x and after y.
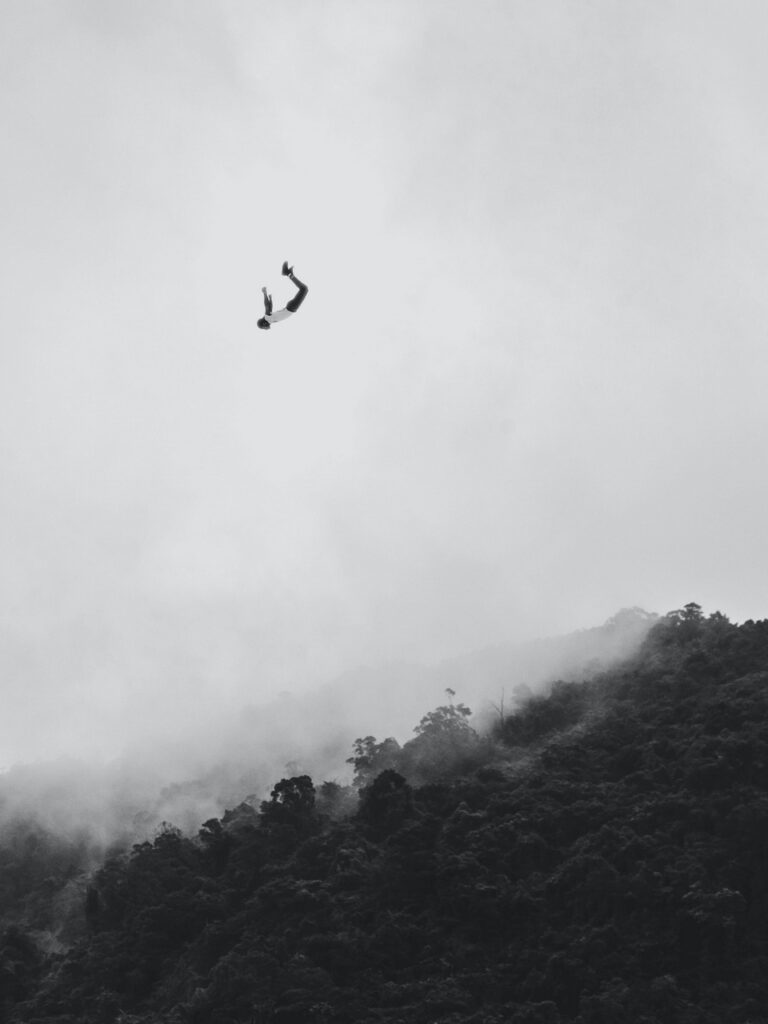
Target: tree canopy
x: 601, y: 856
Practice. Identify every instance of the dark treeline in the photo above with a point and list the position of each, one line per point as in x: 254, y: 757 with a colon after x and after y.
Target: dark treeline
x: 601, y: 857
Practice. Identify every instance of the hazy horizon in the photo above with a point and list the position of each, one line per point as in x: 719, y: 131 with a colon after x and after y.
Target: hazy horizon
x: 526, y: 388
x: 186, y: 776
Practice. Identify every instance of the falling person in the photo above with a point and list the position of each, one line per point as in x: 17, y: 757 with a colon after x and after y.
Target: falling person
x: 291, y: 306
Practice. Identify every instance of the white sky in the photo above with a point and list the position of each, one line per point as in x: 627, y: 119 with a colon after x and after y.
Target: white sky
x: 527, y: 387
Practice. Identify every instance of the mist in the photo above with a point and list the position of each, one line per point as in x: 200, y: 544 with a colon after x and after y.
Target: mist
x: 525, y: 390
x: 185, y: 776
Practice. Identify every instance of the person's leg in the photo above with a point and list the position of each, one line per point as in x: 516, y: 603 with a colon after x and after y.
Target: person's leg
x: 294, y: 303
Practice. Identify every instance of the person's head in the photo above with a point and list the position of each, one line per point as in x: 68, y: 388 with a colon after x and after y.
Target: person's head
x: 263, y: 323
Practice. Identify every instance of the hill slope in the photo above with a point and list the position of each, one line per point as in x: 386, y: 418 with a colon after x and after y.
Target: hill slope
x: 602, y: 857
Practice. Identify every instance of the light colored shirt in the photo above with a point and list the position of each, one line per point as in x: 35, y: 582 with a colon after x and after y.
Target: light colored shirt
x: 278, y: 315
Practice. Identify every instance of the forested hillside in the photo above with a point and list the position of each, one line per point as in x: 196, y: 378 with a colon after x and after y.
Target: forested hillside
x: 600, y: 857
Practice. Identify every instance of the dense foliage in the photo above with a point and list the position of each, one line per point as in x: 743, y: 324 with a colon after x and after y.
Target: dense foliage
x: 602, y: 858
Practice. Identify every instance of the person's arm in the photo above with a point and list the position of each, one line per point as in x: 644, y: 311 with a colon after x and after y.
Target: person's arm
x: 267, y: 302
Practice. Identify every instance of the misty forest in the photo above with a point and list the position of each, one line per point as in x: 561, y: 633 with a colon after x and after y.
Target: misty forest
x: 593, y: 850
x: 347, y: 670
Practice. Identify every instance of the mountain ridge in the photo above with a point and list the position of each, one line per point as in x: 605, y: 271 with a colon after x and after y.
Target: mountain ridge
x: 599, y: 856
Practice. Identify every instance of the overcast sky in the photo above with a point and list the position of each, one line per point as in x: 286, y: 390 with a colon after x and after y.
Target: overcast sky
x: 527, y: 387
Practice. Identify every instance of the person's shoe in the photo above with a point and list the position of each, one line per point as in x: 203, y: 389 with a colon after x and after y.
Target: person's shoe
x: 287, y: 271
